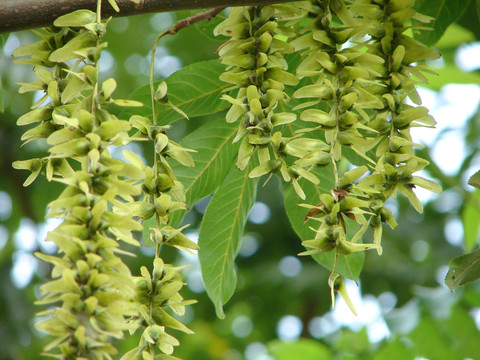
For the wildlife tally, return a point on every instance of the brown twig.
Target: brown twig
(207, 15)
(18, 15)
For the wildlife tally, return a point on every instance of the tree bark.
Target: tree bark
(18, 15)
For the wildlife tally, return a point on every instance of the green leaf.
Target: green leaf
(221, 234)
(2, 103)
(195, 89)
(471, 221)
(302, 349)
(349, 266)
(475, 180)
(445, 13)
(213, 160)
(478, 9)
(430, 342)
(451, 74)
(454, 36)
(206, 27)
(3, 39)
(461, 322)
(395, 350)
(463, 269)
(353, 342)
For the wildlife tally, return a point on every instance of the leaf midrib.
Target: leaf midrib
(207, 166)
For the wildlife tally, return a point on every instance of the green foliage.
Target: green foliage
(288, 101)
(213, 159)
(444, 13)
(471, 221)
(463, 269)
(195, 89)
(302, 349)
(221, 233)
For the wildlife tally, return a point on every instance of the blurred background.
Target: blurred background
(281, 309)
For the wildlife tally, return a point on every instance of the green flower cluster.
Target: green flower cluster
(363, 64)
(93, 296)
(92, 288)
(257, 67)
(357, 68)
(155, 293)
(158, 291)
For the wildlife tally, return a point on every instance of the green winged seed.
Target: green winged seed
(77, 18)
(267, 167)
(323, 92)
(37, 115)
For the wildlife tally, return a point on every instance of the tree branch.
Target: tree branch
(18, 15)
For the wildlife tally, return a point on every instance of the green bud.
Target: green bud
(162, 204)
(161, 93)
(347, 101)
(164, 183)
(347, 119)
(264, 42)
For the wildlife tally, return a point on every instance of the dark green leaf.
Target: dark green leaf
(3, 39)
(195, 89)
(213, 160)
(475, 180)
(2, 104)
(348, 266)
(463, 269)
(445, 13)
(478, 9)
(221, 234)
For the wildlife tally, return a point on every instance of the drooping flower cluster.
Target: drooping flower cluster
(91, 289)
(93, 296)
(363, 65)
(157, 293)
(357, 67)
